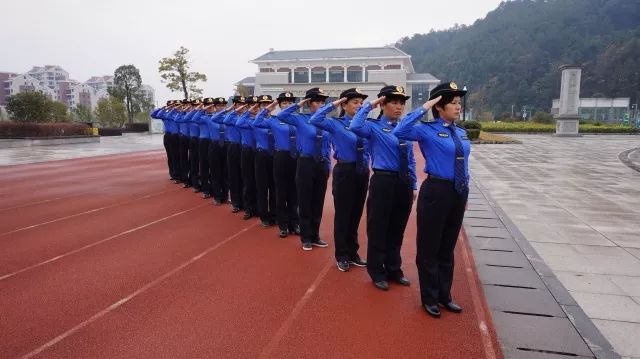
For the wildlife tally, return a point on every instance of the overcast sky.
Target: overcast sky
(88, 37)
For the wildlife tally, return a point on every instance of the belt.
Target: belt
(312, 158)
(263, 150)
(346, 162)
(247, 147)
(385, 172)
(433, 178)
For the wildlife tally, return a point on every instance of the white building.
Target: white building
(610, 110)
(335, 70)
(26, 83)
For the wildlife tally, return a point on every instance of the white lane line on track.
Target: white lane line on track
(141, 290)
(50, 260)
(47, 200)
(284, 328)
(86, 212)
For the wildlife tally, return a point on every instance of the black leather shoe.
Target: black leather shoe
(283, 233)
(402, 281)
(432, 310)
(206, 195)
(382, 285)
(358, 262)
(265, 224)
(247, 215)
(295, 230)
(452, 307)
(186, 185)
(235, 209)
(196, 190)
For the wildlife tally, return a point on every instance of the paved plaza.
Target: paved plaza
(579, 206)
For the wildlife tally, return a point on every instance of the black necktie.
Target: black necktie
(293, 150)
(460, 179)
(403, 157)
(270, 140)
(360, 164)
(221, 132)
(317, 153)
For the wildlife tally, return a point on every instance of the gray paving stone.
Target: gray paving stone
(483, 222)
(539, 333)
(512, 353)
(622, 335)
(510, 276)
(488, 232)
(529, 301)
(512, 259)
(480, 214)
(493, 243)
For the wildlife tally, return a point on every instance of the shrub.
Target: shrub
(137, 127)
(475, 125)
(473, 133)
(542, 117)
(12, 129)
(110, 131)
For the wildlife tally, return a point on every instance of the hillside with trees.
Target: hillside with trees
(511, 57)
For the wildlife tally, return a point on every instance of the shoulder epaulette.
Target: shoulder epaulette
(373, 119)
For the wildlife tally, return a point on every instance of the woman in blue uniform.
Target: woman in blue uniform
(194, 144)
(265, 186)
(204, 142)
(284, 164)
(443, 195)
(391, 186)
(350, 175)
(247, 157)
(313, 166)
(218, 152)
(234, 152)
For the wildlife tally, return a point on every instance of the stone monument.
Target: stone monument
(567, 120)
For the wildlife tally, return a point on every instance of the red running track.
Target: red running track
(105, 258)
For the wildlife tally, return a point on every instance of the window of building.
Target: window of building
(266, 69)
(288, 71)
(354, 74)
(301, 75)
(370, 67)
(393, 67)
(318, 74)
(336, 74)
(419, 94)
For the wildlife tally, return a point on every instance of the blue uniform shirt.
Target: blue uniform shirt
(246, 132)
(230, 131)
(183, 127)
(171, 123)
(306, 134)
(436, 144)
(262, 136)
(344, 141)
(201, 120)
(161, 114)
(383, 144)
(194, 129)
(282, 131)
(216, 126)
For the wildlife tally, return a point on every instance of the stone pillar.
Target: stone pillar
(292, 70)
(326, 74)
(567, 120)
(309, 74)
(344, 68)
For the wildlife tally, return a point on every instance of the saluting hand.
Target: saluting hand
(339, 102)
(228, 108)
(377, 101)
(429, 104)
(272, 106)
(254, 107)
(301, 103)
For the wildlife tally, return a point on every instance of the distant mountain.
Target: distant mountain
(511, 57)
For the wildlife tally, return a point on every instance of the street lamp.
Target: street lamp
(464, 106)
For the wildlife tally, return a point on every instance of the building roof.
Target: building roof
(364, 52)
(247, 81)
(424, 77)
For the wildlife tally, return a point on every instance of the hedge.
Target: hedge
(528, 127)
(11, 129)
(110, 131)
(137, 127)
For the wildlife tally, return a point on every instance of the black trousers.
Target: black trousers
(284, 175)
(349, 194)
(194, 162)
(235, 174)
(218, 171)
(183, 158)
(166, 139)
(265, 186)
(440, 215)
(311, 184)
(203, 156)
(388, 208)
(248, 168)
(174, 157)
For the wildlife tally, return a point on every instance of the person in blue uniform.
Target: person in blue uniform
(204, 142)
(284, 164)
(443, 195)
(234, 153)
(194, 146)
(313, 167)
(168, 134)
(265, 185)
(218, 152)
(247, 157)
(350, 175)
(392, 185)
(183, 142)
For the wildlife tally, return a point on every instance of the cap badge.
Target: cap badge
(241, 98)
(265, 97)
(287, 94)
(358, 90)
(400, 89)
(453, 86)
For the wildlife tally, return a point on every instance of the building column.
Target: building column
(345, 73)
(326, 74)
(293, 80)
(364, 73)
(309, 74)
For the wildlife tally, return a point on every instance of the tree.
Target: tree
(58, 112)
(175, 73)
(29, 106)
(111, 112)
(242, 90)
(82, 114)
(127, 85)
